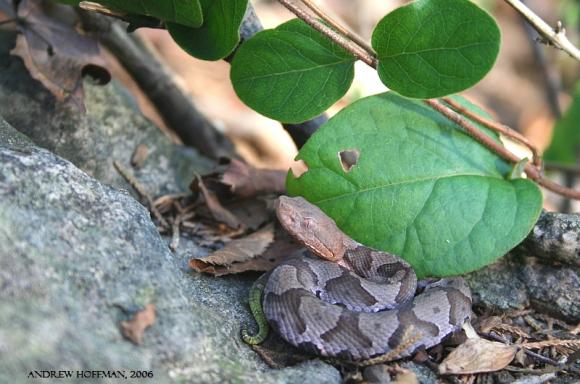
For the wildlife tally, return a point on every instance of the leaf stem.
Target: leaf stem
(554, 36)
(532, 171)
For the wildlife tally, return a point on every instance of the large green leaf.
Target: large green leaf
(291, 73)
(420, 188)
(565, 146)
(185, 12)
(219, 34)
(433, 48)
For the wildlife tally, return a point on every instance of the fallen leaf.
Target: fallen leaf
(133, 329)
(485, 325)
(281, 249)
(253, 213)
(240, 250)
(477, 355)
(245, 181)
(217, 210)
(55, 53)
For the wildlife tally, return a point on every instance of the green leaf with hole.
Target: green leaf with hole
(291, 73)
(433, 48)
(185, 12)
(219, 34)
(565, 146)
(397, 176)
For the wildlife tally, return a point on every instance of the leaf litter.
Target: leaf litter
(55, 52)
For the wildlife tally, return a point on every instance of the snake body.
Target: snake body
(345, 300)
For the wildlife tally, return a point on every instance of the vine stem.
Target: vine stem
(555, 36)
(496, 126)
(332, 34)
(336, 25)
(370, 59)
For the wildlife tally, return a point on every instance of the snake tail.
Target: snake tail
(255, 301)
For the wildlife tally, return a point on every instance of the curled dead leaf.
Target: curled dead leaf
(477, 355)
(242, 180)
(239, 250)
(133, 329)
(281, 249)
(55, 53)
(217, 210)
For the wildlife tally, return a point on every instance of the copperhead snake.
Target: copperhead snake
(348, 301)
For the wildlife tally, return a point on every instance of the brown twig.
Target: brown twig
(332, 34)
(554, 36)
(537, 356)
(339, 28)
(496, 126)
(136, 185)
(531, 170)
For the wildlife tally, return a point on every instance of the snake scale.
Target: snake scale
(348, 301)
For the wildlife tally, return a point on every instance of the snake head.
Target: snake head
(312, 227)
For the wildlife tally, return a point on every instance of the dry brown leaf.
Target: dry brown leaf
(281, 249)
(485, 325)
(217, 210)
(477, 355)
(240, 250)
(239, 179)
(252, 213)
(133, 329)
(55, 53)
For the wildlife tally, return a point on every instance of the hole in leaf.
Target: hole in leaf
(299, 168)
(348, 158)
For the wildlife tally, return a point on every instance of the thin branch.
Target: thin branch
(336, 25)
(496, 126)
(333, 35)
(555, 36)
(531, 171)
(136, 185)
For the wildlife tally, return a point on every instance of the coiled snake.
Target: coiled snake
(351, 302)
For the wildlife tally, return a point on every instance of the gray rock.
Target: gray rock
(377, 374)
(77, 257)
(555, 238)
(497, 285)
(515, 282)
(553, 290)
